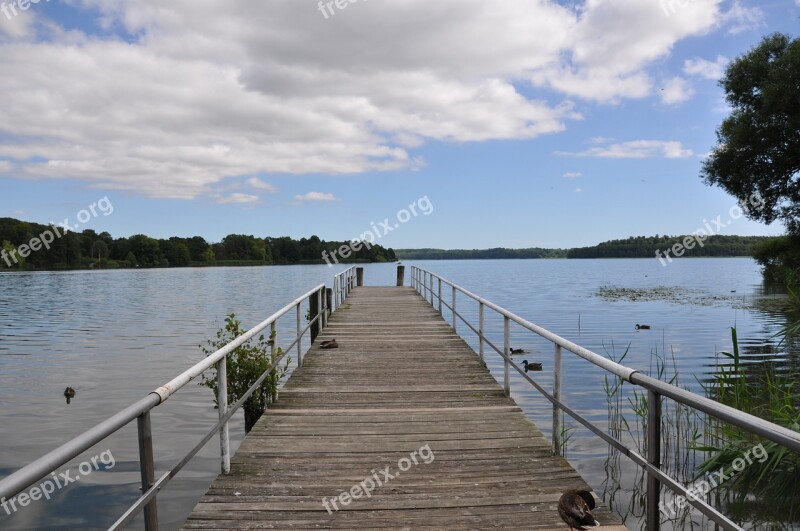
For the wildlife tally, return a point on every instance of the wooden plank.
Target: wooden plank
(400, 382)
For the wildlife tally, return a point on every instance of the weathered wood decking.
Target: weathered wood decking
(401, 379)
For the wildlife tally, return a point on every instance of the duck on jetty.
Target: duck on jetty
(329, 344)
(575, 508)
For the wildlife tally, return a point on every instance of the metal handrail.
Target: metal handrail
(343, 284)
(423, 280)
(23, 478)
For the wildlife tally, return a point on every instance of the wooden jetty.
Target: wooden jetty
(401, 387)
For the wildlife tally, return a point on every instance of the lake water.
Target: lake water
(116, 335)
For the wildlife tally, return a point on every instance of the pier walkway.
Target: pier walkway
(402, 426)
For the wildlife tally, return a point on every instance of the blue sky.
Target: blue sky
(525, 124)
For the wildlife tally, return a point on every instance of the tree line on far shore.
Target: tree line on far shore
(647, 246)
(88, 249)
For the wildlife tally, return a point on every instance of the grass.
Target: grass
(764, 495)
(768, 488)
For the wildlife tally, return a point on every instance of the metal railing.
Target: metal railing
(23, 478)
(343, 284)
(429, 285)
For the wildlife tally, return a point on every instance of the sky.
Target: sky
(510, 123)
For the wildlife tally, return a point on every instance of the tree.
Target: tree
(11, 261)
(146, 249)
(758, 150)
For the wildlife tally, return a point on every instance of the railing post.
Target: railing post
(147, 469)
(273, 354)
(455, 317)
(480, 329)
(334, 304)
(222, 406)
(314, 305)
(557, 443)
(440, 296)
(328, 304)
(506, 350)
(654, 458)
(299, 337)
(323, 294)
(431, 286)
(360, 277)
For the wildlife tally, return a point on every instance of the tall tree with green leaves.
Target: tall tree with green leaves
(758, 150)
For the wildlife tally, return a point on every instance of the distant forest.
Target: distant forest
(87, 249)
(646, 247)
(486, 254)
(634, 247)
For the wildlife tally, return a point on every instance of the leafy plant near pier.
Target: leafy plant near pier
(770, 396)
(245, 366)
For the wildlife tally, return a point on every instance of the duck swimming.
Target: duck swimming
(531, 366)
(516, 350)
(69, 394)
(575, 508)
(642, 327)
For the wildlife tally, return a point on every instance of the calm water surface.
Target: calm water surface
(114, 336)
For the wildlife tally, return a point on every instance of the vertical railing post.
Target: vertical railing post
(455, 317)
(314, 312)
(557, 442)
(323, 294)
(480, 329)
(431, 283)
(506, 351)
(222, 406)
(334, 305)
(360, 277)
(273, 355)
(654, 458)
(299, 337)
(320, 310)
(440, 296)
(401, 275)
(147, 469)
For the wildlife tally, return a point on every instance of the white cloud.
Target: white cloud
(572, 175)
(613, 41)
(637, 149)
(707, 69)
(740, 18)
(238, 198)
(315, 196)
(579, 190)
(258, 184)
(676, 90)
(196, 95)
